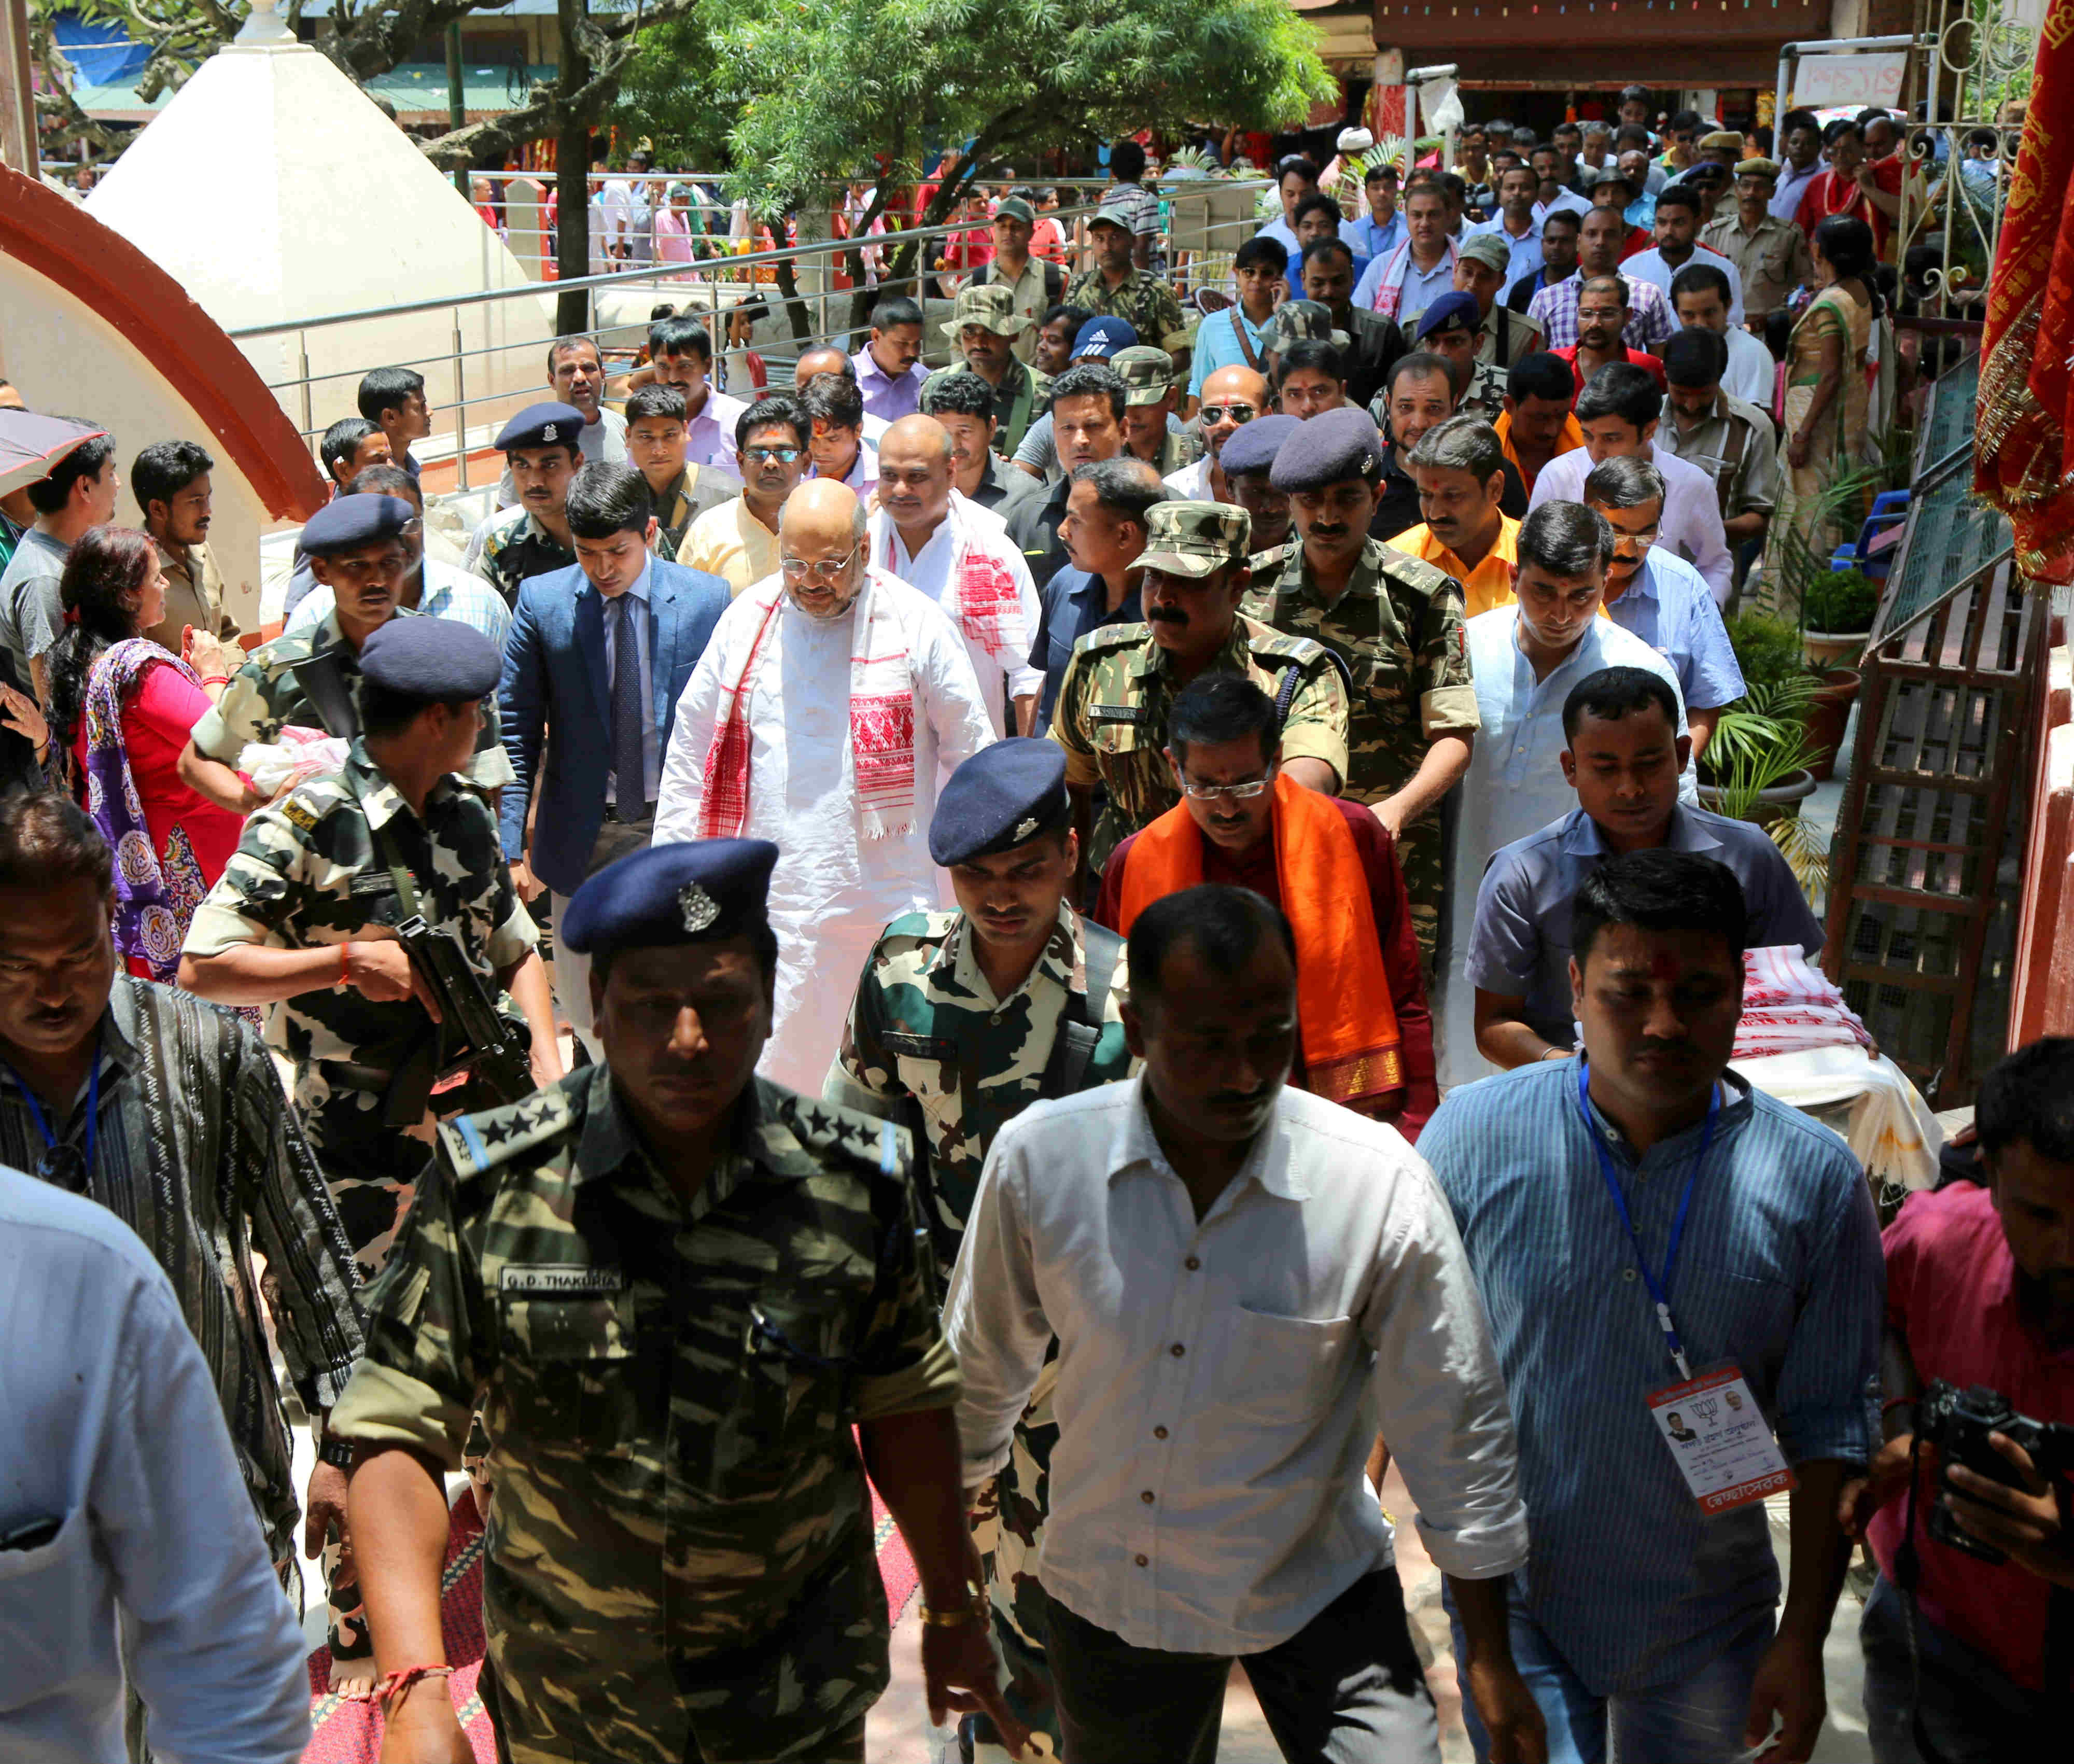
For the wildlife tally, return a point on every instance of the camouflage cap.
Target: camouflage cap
(991, 307)
(1147, 373)
(1294, 320)
(1489, 250)
(1194, 539)
(1113, 214)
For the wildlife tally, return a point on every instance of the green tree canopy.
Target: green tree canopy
(811, 91)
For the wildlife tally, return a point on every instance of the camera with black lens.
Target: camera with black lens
(1958, 1423)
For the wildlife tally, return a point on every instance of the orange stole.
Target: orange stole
(1351, 1044)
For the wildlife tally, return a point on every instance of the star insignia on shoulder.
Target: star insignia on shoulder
(701, 911)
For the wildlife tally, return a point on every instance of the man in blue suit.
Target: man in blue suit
(568, 666)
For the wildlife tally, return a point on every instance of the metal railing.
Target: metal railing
(720, 290)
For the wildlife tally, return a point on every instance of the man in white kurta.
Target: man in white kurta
(961, 556)
(1526, 660)
(849, 859)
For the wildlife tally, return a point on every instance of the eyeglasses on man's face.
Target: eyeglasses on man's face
(1244, 792)
(829, 569)
(765, 455)
(1228, 413)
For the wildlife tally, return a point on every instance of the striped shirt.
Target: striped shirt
(1780, 1270)
(1649, 325)
(197, 1150)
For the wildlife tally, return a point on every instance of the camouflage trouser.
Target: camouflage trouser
(1420, 854)
(1008, 1525)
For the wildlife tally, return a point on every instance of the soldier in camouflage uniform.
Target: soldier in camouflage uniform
(1148, 376)
(355, 549)
(300, 917)
(542, 450)
(961, 1021)
(1450, 328)
(1111, 716)
(1396, 622)
(1114, 288)
(983, 325)
(675, 1288)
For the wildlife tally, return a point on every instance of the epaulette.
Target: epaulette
(1111, 636)
(926, 925)
(477, 1144)
(827, 1129)
(312, 801)
(1414, 572)
(1275, 559)
(1300, 649)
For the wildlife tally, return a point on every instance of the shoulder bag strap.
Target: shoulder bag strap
(1245, 342)
(1079, 1029)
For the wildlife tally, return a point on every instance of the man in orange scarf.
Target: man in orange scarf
(1365, 1035)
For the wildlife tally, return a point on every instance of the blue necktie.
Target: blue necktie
(628, 768)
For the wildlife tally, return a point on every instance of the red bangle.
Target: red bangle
(345, 963)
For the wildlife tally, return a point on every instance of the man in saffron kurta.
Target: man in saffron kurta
(1364, 1038)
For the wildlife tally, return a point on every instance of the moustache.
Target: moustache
(1165, 615)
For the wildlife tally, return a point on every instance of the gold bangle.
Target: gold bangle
(976, 1609)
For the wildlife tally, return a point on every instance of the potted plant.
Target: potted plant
(1768, 651)
(1757, 768)
(1836, 613)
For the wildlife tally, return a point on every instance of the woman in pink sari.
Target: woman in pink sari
(121, 708)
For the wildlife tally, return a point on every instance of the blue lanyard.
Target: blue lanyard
(1659, 1290)
(48, 1166)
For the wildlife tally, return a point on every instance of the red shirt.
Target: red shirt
(1951, 1291)
(1829, 194)
(1637, 357)
(1255, 870)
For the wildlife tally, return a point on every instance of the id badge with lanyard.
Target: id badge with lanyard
(1716, 1434)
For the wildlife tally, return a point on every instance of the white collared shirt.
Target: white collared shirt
(998, 645)
(1221, 1380)
(1649, 266)
(1690, 526)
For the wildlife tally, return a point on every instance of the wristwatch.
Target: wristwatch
(337, 1453)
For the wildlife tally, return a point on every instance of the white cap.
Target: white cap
(1355, 141)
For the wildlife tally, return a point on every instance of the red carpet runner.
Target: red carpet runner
(342, 1733)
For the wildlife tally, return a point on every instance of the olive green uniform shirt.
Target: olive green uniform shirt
(1111, 715)
(679, 1554)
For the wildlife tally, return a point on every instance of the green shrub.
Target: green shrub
(1767, 650)
(1840, 602)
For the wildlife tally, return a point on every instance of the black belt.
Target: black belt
(612, 812)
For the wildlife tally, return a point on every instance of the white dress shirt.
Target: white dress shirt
(1752, 374)
(1649, 266)
(999, 649)
(1691, 523)
(833, 890)
(1514, 785)
(115, 1437)
(1221, 1380)
(1191, 483)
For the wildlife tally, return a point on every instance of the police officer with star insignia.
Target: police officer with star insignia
(542, 450)
(357, 548)
(960, 1022)
(675, 1289)
(304, 919)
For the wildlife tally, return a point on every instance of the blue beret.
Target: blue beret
(1334, 445)
(1002, 796)
(541, 425)
(703, 891)
(1102, 338)
(351, 521)
(440, 660)
(1453, 308)
(1253, 448)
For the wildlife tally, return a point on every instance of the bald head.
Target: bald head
(820, 360)
(915, 467)
(820, 547)
(1236, 394)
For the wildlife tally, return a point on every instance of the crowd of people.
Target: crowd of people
(1111, 940)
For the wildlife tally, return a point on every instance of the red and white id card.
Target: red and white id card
(1722, 1442)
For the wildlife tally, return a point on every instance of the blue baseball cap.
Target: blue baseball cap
(1102, 338)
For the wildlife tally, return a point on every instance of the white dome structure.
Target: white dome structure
(271, 189)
